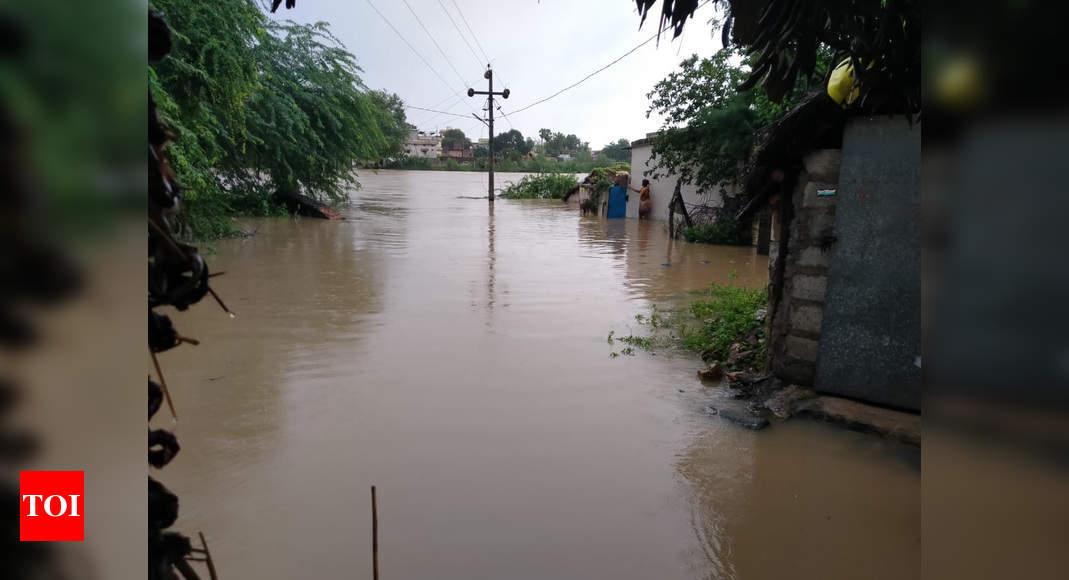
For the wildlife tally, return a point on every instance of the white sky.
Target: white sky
(536, 47)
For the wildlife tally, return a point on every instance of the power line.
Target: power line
(462, 37)
(436, 45)
(587, 77)
(507, 120)
(468, 26)
(456, 98)
(435, 111)
(409, 44)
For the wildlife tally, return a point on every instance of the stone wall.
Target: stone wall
(794, 328)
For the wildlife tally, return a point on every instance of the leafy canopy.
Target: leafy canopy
(259, 106)
(882, 38)
(455, 139)
(618, 151)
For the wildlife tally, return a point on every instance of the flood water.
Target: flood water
(457, 359)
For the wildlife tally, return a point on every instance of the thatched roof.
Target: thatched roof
(816, 123)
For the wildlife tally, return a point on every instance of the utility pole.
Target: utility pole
(489, 76)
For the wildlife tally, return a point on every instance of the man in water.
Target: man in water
(645, 204)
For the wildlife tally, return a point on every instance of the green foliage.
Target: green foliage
(724, 315)
(709, 125)
(722, 232)
(785, 39)
(543, 186)
(455, 139)
(618, 151)
(260, 106)
(512, 145)
(391, 119)
(406, 162)
(556, 143)
(722, 322)
(535, 165)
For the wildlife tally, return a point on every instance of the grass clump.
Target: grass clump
(541, 186)
(724, 323)
(721, 317)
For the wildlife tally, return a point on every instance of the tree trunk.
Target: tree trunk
(306, 206)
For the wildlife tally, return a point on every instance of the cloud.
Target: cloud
(536, 49)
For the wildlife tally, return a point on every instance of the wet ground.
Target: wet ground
(457, 359)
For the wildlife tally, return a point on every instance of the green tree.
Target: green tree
(455, 139)
(709, 125)
(259, 106)
(618, 151)
(882, 39)
(311, 118)
(201, 90)
(391, 119)
(545, 135)
(512, 144)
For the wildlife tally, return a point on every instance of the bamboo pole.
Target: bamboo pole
(374, 535)
(208, 557)
(163, 384)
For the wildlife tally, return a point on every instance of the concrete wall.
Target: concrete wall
(871, 326)
(661, 190)
(795, 329)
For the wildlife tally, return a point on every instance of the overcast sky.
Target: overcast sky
(536, 48)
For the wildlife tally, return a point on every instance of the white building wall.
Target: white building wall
(661, 189)
(423, 145)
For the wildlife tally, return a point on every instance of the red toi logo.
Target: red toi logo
(51, 506)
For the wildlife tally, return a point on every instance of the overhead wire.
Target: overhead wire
(589, 76)
(434, 41)
(435, 111)
(413, 49)
(409, 44)
(470, 31)
(478, 60)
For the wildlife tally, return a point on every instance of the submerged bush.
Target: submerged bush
(542, 186)
(726, 232)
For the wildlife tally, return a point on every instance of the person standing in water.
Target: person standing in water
(645, 203)
(618, 196)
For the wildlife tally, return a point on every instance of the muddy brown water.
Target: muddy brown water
(457, 359)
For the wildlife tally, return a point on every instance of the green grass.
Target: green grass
(712, 321)
(720, 317)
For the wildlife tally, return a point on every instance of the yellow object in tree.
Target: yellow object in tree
(842, 86)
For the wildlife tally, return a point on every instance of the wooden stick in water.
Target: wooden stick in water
(374, 535)
(220, 301)
(163, 384)
(208, 557)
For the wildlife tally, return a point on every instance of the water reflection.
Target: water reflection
(490, 259)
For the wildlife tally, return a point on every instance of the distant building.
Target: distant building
(462, 154)
(565, 157)
(424, 145)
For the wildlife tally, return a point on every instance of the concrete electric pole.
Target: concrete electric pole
(489, 76)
